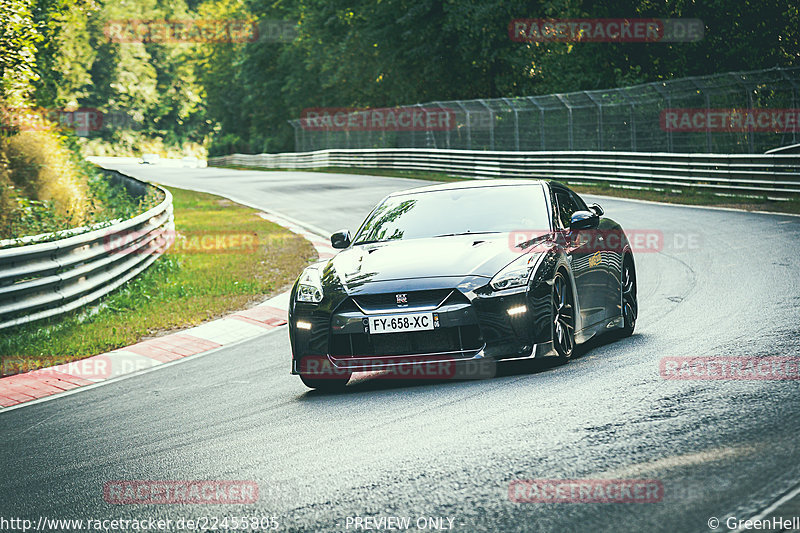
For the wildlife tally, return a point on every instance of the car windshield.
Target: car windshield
(458, 211)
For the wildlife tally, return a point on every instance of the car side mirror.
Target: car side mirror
(596, 209)
(341, 239)
(583, 220)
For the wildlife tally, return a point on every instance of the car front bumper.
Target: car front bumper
(473, 323)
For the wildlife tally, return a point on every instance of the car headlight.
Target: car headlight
(310, 287)
(517, 273)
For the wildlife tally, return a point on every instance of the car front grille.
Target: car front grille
(414, 299)
(458, 340)
(458, 337)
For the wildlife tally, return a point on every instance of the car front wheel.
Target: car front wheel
(630, 304)
(563, 318)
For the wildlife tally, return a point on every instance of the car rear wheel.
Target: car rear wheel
(325, 383)
(630, 304)
(563, 318)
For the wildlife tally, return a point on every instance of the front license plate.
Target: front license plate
(400, 323)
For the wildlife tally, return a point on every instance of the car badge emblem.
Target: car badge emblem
(402, 299)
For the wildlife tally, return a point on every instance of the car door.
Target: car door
(585, 258)
(608, 260)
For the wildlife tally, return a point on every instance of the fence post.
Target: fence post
(296, 134)
(703, 90)
(632, 117)
(469, 128)
(569, 117)
(541, 119)
(751, 142)
(599, 120)
(794, 100)
(447, 133)
(516, 122)
(666, 95)
(491, 124)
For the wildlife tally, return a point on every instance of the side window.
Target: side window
(579, 202)
(566, 206)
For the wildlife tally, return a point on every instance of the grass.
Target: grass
(673, 195)
(183, 288)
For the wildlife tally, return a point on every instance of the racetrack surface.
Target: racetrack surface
(451, 448)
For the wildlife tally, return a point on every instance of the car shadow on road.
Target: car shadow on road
(612, 338)
(463, 374)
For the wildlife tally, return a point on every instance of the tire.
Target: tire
(325, 384)
(630, 302)
(563, 317)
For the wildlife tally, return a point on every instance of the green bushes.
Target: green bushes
(41, 170)
(46, 187)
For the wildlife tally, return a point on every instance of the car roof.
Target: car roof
(470, 184)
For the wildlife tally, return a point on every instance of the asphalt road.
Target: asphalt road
(450, 449)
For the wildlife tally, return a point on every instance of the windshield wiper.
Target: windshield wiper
(465, 233)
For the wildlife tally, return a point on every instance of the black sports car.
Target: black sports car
(474, 270)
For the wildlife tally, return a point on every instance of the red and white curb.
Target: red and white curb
(242, 325)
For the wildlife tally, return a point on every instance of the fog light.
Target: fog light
(517, 310)
(303, 325)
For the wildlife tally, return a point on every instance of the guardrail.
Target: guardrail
(41, 280)
(775, 176)
(788, 149)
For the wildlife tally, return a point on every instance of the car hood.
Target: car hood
(456, 256)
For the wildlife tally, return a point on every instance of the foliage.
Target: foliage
(41, 170)
(239, 96)
(46, 187)
(18, 38)
(394, 52)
